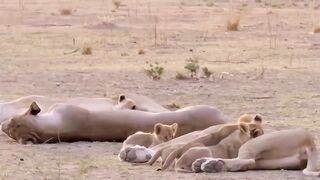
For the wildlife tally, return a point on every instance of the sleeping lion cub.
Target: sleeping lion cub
(162, 133)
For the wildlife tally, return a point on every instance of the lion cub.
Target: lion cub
(249, 127)
(162, 133)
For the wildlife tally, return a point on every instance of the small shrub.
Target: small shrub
(173, 105)
(181, 76)
(209, 3)
(316, 29)
(65, 11)
(117, 3)
(233, 23)
(192, 66)
(154, 71)
(207, 73)
(86, 51)
(141, 51)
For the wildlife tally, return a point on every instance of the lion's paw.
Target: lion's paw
(213, 166)
(135, 154)
(196, 165)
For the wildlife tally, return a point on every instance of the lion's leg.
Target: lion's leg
(289, 163)
(219, 165)
(311, 169)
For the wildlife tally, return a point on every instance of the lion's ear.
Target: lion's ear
(243, 127)
(122, 97)
(34, 109)
(157, 128)
(174, 128)
(257, 119)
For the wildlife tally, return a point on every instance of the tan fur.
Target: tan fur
(249, 127)
(125, 103)
(129, 101)
(162, 133)
(285, 149)
(226, 148)
(207, 137)
(65, 122)
(144, 103)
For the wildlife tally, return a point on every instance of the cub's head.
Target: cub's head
(125, 103)
(251, 125)
(22, 127)
(165, 132)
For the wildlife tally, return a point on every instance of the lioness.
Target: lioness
(162, 133)
(129, 101)
(226, 148)
(285, 149)
(65, 122)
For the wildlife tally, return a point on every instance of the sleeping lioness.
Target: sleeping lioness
(162, 133)
(128, 101)
(286, 149)
(226, 148)
(68, 123)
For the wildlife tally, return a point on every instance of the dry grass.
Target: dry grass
(180, 76)
(233, 23)
(86, 50)
(65, 11)
(316, 29)
(117, 3)
(141, 51)
(173, 105)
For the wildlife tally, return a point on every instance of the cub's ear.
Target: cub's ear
(34, 109)
(121, 98)
(174, 128)
(243, 127)
(257, 119)
(157, 128)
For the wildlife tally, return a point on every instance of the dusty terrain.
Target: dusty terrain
(272, 66)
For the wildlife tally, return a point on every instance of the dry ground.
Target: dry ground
(36, 55)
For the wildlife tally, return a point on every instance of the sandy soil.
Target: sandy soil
(272, 61)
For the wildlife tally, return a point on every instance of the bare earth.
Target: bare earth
(273, 65)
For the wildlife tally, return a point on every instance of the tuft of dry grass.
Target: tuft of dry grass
(117, 3)
(141, 51)
(173, 105)
(233, 23)
(180, 76)
(86, 50)
(316, 29)
(65, 11)
(207, 73)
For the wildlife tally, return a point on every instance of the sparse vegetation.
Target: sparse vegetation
(233, 23)
(154, 71)
(316, 29)
(86, 50)
(65, 11)
(209, 3)
(173, 105)
(207, 73)
(141, 51)
(180, 76)
(117, 3)
(192, 66)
